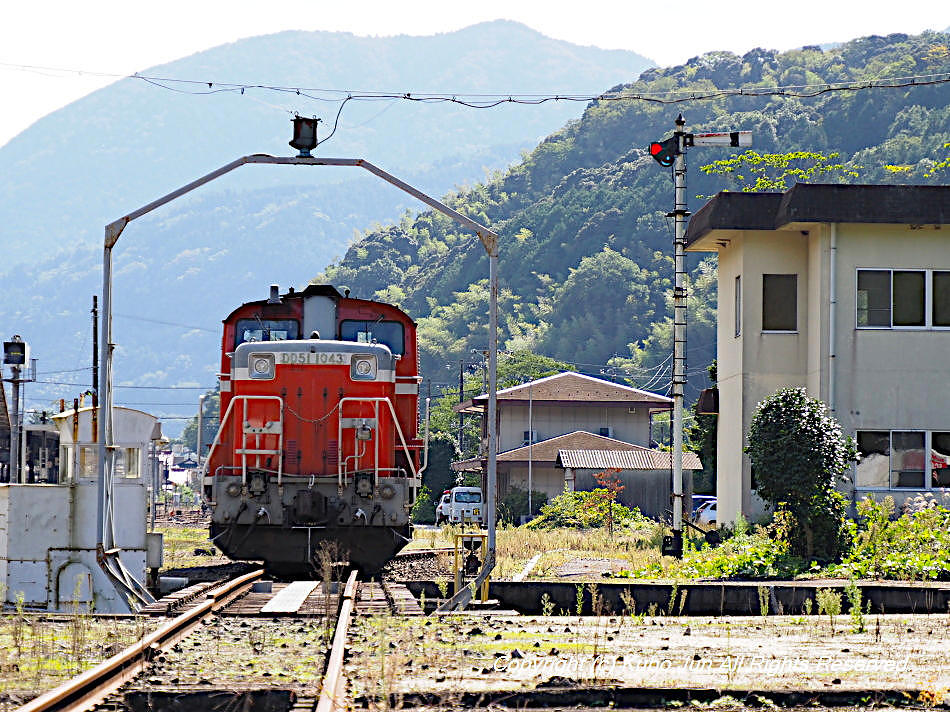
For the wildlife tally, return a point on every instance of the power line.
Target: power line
(491, 100)
(146, 388)
(166, 323)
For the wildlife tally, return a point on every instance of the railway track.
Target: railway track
(263, 615)
(96, 684)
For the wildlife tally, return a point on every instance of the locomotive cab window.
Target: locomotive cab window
(265, 330)
(390, 333)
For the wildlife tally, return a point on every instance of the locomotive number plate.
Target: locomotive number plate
(307, 358)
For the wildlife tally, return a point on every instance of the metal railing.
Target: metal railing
(246, 430)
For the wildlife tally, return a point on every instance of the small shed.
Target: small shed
(48, 532)
(646, 475)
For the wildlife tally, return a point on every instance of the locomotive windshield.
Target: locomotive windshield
(390, 333)
(265, 330)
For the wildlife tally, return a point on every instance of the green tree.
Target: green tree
(209, 424)
(771, 172)
(798, 453)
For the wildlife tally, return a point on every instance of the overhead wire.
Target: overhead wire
(489, 100)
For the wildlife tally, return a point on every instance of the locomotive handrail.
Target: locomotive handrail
(280, 436)
(402, 440)
(224, 420)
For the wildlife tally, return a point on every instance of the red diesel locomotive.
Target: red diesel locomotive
(318, 439)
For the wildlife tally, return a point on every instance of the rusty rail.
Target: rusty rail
(333, 690)
(97, 683)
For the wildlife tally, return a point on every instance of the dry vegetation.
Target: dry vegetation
(392, 656)
(180, 544)
(516, 546)
(38, 651)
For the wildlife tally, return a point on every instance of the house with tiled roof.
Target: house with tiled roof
(572, 412)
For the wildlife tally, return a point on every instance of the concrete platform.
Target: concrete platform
(735, 598)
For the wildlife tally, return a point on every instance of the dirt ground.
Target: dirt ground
(472, 653)
(244, 653)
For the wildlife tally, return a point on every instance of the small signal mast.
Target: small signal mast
(671, 153)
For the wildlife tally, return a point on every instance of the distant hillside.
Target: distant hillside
(194, 260)
(585, 265)
(80, 167)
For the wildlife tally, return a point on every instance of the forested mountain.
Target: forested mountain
(180, 270)
(122, 146)
(585, 266)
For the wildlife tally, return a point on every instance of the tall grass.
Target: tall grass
(515, 546)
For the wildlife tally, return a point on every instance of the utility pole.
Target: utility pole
(679, 330)
(16, 354)
(201, 412)
(461, 400)
(672, 153)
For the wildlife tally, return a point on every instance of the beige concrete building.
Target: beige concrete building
(845, 290)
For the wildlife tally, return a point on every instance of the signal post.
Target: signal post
(671, 153)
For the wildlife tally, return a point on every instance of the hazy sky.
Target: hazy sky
(128, 36)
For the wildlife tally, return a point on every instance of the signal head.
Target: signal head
(665, 152)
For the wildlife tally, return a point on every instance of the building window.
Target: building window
(779, 302)
(737, 312)
(128, 462)
(897, 459)
(941, 298)
(895, 298)
(940, 460)
(89, 461)
(907, 459)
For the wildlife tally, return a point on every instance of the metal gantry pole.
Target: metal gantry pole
(492, 412)
(113, 231)
(679, 329)
(105, 402)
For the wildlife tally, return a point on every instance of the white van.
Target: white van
(465, 505)
(442, 508)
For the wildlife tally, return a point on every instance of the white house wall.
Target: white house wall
(544, 478)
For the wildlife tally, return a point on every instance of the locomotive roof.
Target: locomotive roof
(312, 290)
(315, 290)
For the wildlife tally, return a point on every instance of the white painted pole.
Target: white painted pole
(679, 331)
(530, 445)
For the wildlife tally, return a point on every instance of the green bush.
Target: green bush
(913, 546)
(763, 552)
(584, 510)
(515, 503)
(423, 511)
(798, 452)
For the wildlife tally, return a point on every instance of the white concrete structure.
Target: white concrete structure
(48, 556)
(845, 290)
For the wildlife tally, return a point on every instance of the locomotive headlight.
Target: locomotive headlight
(363, 367)
(261, 366)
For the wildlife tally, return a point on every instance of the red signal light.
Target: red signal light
(665, 152)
